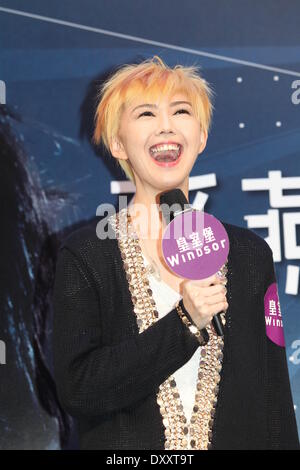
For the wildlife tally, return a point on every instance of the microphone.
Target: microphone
(175, 197)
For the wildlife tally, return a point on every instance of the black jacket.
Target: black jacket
(107, 374)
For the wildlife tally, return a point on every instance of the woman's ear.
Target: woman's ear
(117, 149)
(203, 140)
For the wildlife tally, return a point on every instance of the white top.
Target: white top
(186, 377)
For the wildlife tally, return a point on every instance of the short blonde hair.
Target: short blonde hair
(149, 79)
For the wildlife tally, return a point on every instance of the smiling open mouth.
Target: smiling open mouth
(165, 153)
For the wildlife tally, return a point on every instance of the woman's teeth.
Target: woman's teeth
(165, 152)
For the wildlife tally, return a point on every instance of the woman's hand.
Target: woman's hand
(204, 298)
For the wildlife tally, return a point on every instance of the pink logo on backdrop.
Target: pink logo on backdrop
(274, 326)
(195, 245)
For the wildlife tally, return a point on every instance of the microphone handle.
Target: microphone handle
(218, 325)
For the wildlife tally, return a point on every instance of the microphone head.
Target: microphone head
(172, 201)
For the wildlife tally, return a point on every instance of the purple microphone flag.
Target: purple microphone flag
(195, 245)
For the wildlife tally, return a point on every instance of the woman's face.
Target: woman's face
(145, 127)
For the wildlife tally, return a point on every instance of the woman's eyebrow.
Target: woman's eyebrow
(148, 105)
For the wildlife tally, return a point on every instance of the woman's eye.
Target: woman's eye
(182, 110)
(146, 113)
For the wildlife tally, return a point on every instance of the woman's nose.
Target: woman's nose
(164, 123)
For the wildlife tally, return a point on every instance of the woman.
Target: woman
(136, 359)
